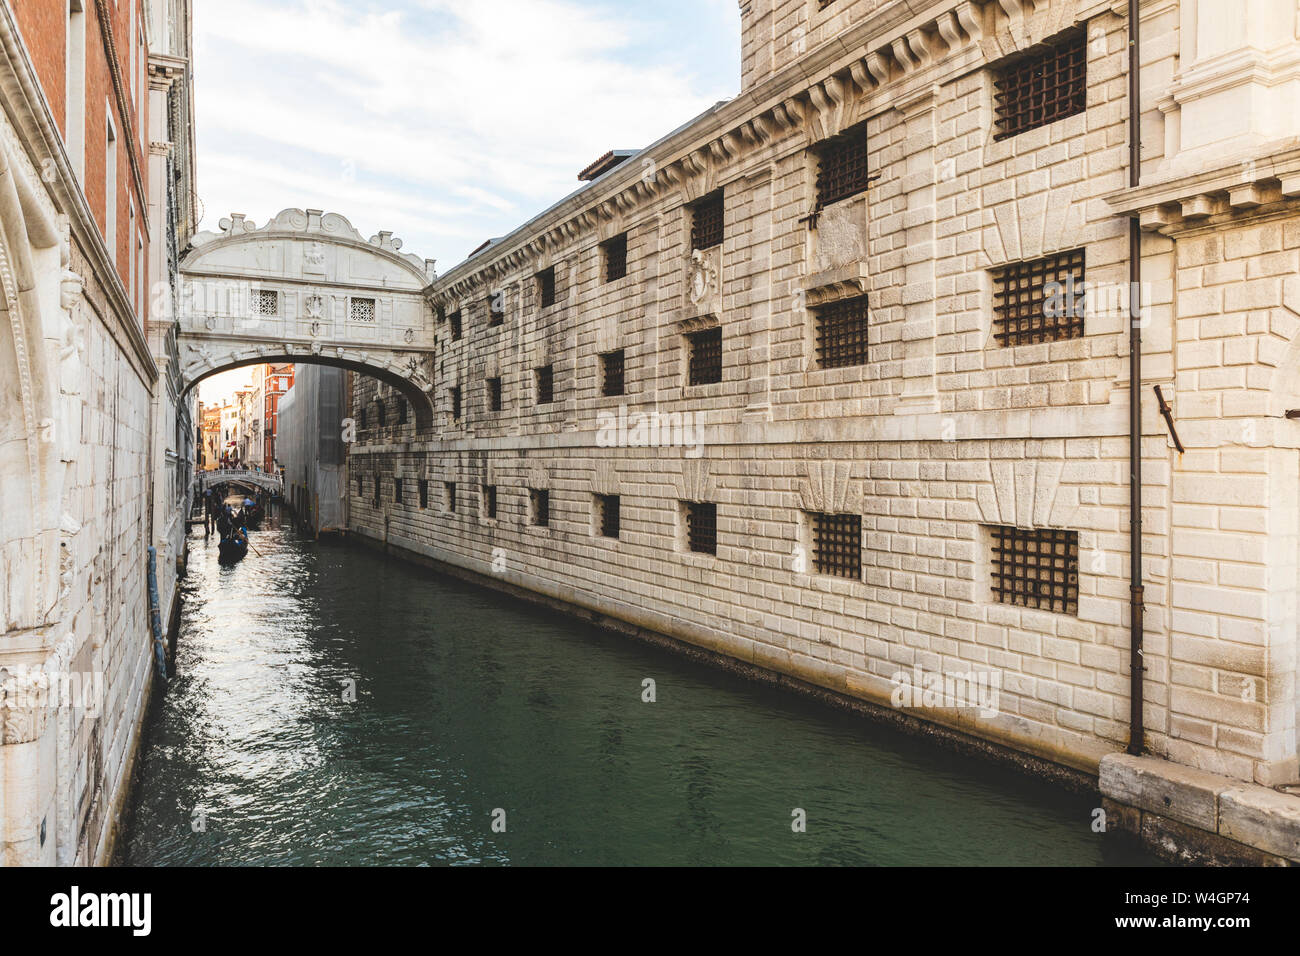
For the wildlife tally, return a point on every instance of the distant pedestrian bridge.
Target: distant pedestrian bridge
(239, 476)
(307, 288)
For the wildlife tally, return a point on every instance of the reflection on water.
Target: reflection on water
(468, 703)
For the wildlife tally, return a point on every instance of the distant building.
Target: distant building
(312, 450)
(278, 380)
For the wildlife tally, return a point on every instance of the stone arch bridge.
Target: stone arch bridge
(307, 288)
(239, 476)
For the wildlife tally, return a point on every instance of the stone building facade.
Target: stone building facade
(778, 385)
(95, 452)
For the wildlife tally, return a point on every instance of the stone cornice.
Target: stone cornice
(1248, 186)
(32, 120)
(833, 87)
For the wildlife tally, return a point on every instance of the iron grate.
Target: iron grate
(837, 544)
(1042, 88)
(705, 366)
(612, 379)
(842, 333)
(1036, 568)
(706, 222)
(842, 166)
(609, 514)
(702, 527)
(1034, 301)
(363, 310)
(615, 251)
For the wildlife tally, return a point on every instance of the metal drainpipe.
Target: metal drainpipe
(1136, 669)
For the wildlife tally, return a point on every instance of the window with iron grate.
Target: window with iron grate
(496, 309)
(454, 321)
(424, 492)
(546, 287)
(607, 507)
(1042, 87)
(545, 384)
(842, 166)
(1039, 300)
(449, 495)
(705, 363)
(614, 253)
(611, 364)
(490, 501)
(842, 333)
(1036, 568)
(706, 222)
(363, 310)
(837, 544)
(455, 403)
(266, 302)
(494, 394)
(702, 527)
(539, 501)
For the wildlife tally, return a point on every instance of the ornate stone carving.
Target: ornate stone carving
(840, 236)
(702, 273)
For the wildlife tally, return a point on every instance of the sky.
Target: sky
(447, 123)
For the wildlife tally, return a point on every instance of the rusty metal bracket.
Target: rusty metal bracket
(1167, 412)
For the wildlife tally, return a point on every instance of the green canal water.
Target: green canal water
(468, 704)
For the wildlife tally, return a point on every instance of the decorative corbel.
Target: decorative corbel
(878, 67)
(967, 14)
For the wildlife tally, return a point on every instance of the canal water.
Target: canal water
(473, 711)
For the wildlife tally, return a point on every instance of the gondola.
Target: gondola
(232, 550)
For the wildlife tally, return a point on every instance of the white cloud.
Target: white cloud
(445, 122)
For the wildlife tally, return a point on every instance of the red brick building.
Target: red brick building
(279, 379)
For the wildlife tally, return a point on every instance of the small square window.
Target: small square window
(449, 495)
(545, 384)
(607, 507)
(1039, 300)
(611, 364)
(1036, 89)
(842, 166)
(842, 333)
(705, 364)
(494, 394)
(363, 310)
(546, 287)
(706, 222)
(1036, 568)
(490, 501)
(837, 544)
(424, 492)
(539, 501)
(266, 302)
(702, 527)
(614, 252)
(496, 309)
